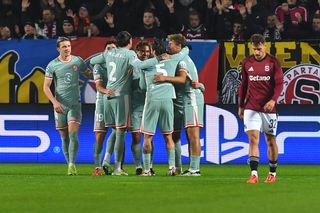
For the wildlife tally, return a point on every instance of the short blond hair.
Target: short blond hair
(179, 39)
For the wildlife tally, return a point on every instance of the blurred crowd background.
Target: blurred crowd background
(233, 20)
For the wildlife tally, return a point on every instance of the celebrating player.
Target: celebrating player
(64, 71)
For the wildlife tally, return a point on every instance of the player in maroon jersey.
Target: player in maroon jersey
(261, 85)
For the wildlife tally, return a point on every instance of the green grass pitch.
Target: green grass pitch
(46, 188)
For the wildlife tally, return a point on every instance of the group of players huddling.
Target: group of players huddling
(136, 91)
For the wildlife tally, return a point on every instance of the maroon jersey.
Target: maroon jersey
(261, 82)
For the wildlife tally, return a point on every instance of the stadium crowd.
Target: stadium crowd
(196, 19)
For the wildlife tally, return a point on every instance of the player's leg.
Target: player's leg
(74, 120)
(193, 133)
(61, 120)
(193, 117)
(166, 126)
(171, 154)
(146, 156)
(176, 135)
(252, 123)
(100, 133)
(269, 123)
(122, 112)
(273, 157)
(151, 160)
(109, 150)
(177, 142)
(62, 127)
(136, 152)
(149, 122)
(136, 136)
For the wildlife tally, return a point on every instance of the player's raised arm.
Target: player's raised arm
(138, 64)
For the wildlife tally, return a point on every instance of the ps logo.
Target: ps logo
(222, 128)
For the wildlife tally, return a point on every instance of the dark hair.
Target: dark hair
(110, 42)
(142, 44)
(123, 38)
(316, 16)
(158, 46)
(61, 39)
(194, 13)
(178, 39)
(257, 39)
(148, 10)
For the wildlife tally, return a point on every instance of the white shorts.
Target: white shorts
(261, 121)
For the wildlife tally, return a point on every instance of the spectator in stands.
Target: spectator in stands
(273, 29)
(149, 28)
(59, 7)
(220, 18)
(254, 16)
(5, 33)
(30, 31)
(47, 26)
(94, 29)
(313, 9)
(237, 34)
(293, 11)
(68, 29)
(315, 29)
(108, 26)
(126, 14)
(294, 19)
(183, 7)
(81, 21)
(9, 13)
(195, 29)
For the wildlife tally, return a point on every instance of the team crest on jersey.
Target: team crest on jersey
(267, 68)
(75, 67)
(301, 85)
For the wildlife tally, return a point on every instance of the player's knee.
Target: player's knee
(147, 148)
(254, 140)
(73, 136)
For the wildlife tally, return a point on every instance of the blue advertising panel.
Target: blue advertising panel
(27, 134)
(298, 135)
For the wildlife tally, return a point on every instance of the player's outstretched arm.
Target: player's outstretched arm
(99, 59)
